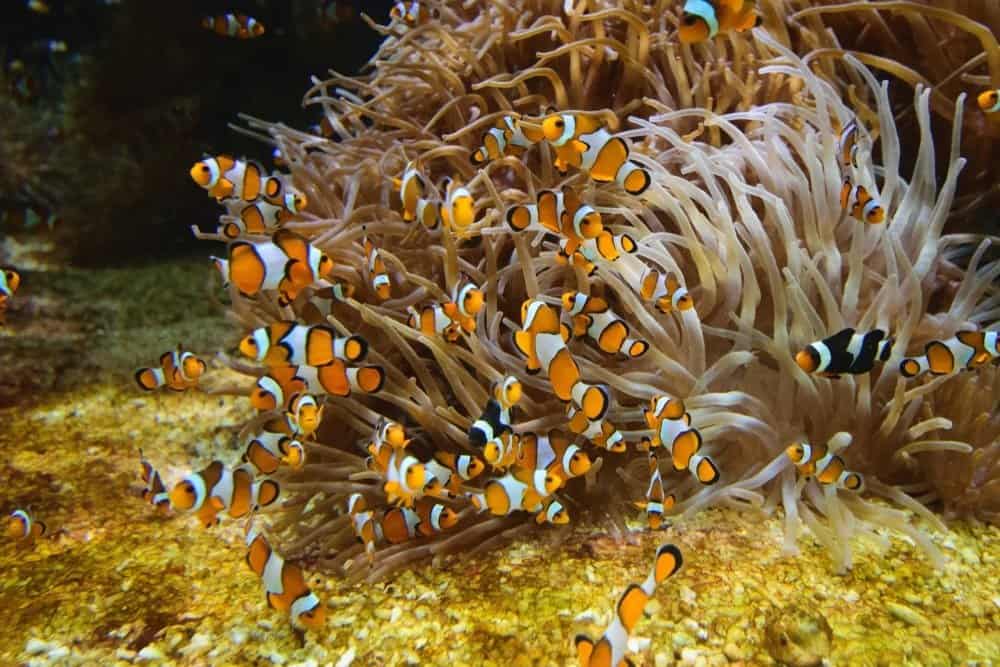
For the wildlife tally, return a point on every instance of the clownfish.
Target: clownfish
(505, 495)
(155, 493)
(405, 478)
(704, 19)
(860, 204)
(672, 430)
(413, 193)
(581, 141)
(610, 649)
(411, 12)
(401, 524)
(594, 318)
(224, 176)
(847, 145)
(599, 431)
(261, 217)
(10, 280)
(22, 526)
(387, 438)
(828, 468)
(304, 415)
(287, 263)
(508, 137)
(234, 24)
(269, 448)
(665, 291)
(605, 246)
(657, 501)
(287, 343)
(463, 467)
(552, 512)
(377, 273)
(845, 352)
(560, 212)
(966, 350)
(217, 488)
(178, 371)
(458, 210)
(284, 583)
(364, 523)
(549, 461)
(466, 302)
(989, 101)
(542, 339)
(276, 389)
(496, 418)
(432, 320)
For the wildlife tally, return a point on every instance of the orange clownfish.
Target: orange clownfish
(405, 478)
(275, 390)
(432, 320)
(704, 19)
(989, 101)
(411, 13)
(599, 431)
(496, 417)
(155, 493)
(504, 495)
(22, 526)
(401, 524)
(848, 146)
(594, 318)
(657, 501)
(665, 291)
(217, 488)
(287, 263)
(284, 583)
(458, 210)
(261, 217)
(413, 193)
(610, 649)
(270, 448)
(509, 136)
(542, 339)
(234, 24)
(828, 468)
(605, 246)
(466, 302)
(560, 212)
(581, 141)
(304, 415)
(179, 370)
(224, 176)
(860, 204)
(10, 280)
(845, 352)
(966, 350)
(287, 343)
(377, 273)
(449, 470)
(546, 462)
(672, 429)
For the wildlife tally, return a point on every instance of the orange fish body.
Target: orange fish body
(284, 583)
(287, 343)
(377, 273)
(178, 371)
(705, 19)
(217, 488)
(224, 176)
(664, 290)
(239, 26)
(582, 142)
(21, 526)
(989, 101)
(860, 204)
(509, 136)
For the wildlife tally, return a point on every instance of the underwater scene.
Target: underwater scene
(500, 333)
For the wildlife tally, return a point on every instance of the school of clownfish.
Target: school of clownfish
(304, 363)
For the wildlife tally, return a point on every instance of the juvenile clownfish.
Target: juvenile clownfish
(387, 438)
(594, 318)
(552, 512)
(805, 455)
(432, 320)
(581, 141)
(505, 495)
(21, 526)
(458, 210)
(463, 467)
(848, 146)
(276, 389)
(466, 302)
(364, 523)
(411, 12)
(178, 371)
(377, 273)
(704, 19)
(989, 101)
(217, 488)
(405, 478)
(599, 431)
(664, 290)
(287, 263)
(401, 524)
(672, 430)
(546, 462)
(224, 176)
(966, 350)
(413, 193)
(827, 468)
(542, 339)
(288, 343)
(610, 649)
(304, 415)
(496, 418)
(860, 204)
(605, 246)
(560, 212)
(10, 280)
(508, 137)
(272, 447)
(234, 24)
(284, 583)
(845, 352)
(261, 217)
(155, 493)
(657, 501)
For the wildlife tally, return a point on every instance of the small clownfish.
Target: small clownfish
(704, 19)
(664, 407)
(542, 339)
(458, 210)
(466, 302)
(450, 470)
(217, 488)
(412, 190)
(828, 468)
(505, 495)
(276, 389)
(805, 456)
(155, 493)
(599, 431)
(284, 583)
(594, 318)
(672, 430)
(178, 371)
(224, 177)
(546, 462)
(401, 524)
(21, 526)
(363, 521)
(508, 137)
(304, 415)
(665, 291)
(496, 418)
(552, 512)
(377, 273)
(405, 478)
(337, 289)
(610, 649)
(500, 451)
(966, 350)
(287, 263)
(657, 501)
(560, 212)
(412, 13)
(10, 280)
(389, 434)
(848, 146)
(581, 141)
(261, 217)
(234, 24)
(989, 101)
(845, 352)
(860, 204)
(270, 448)
(605, 246)
(432, 320)
(287, 343)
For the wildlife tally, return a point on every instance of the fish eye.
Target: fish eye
(189, 488)
(205, 169)
(559, 123)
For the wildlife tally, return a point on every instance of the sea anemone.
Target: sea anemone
(742, 207)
